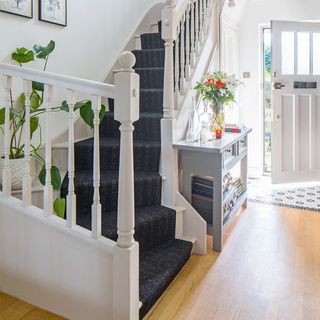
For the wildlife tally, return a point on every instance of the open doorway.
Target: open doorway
(267, 104)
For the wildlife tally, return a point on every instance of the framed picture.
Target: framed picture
(22, 8)
(53, 11)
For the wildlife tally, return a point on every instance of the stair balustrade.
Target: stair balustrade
(184, 31)
(125, 93)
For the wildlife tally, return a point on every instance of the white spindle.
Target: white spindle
(201, 21)
(197, 28)
(6, 174)
(126, 112)
(48, 189)
(187, 68)
(182, 55)
(176, 69)
(71, 198)
(192, 54)
(26, 190)
(205, 17)
(96, 206)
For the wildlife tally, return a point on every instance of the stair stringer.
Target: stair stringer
(194, 226)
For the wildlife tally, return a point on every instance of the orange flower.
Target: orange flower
(219, 84)
(209, 82)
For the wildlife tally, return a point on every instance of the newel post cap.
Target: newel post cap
(127, 60)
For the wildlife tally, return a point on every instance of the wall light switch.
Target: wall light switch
(246, 75)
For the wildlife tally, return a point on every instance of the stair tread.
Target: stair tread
(158, 267)
(153, 224)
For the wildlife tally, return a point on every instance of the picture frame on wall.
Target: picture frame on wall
(23, 8)
(53, 11)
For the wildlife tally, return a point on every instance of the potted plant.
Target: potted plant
(217, 90)
(17, 121)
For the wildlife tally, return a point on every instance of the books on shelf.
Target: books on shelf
(234, 128)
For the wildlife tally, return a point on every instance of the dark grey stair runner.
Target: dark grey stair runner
(161, 255)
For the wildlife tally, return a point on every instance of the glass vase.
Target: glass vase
(193, 124)
(205, 122)
(218, 119)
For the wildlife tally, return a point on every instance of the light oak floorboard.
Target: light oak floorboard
(14, 309)
(269, 270)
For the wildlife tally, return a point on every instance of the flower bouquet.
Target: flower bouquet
(216, 90)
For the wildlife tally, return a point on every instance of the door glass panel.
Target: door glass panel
(316, 53)
(303, 53)
(287, 53)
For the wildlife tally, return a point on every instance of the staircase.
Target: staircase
(162, 256)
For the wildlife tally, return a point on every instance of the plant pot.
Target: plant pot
(17, 172)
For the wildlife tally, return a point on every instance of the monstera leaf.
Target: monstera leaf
(43, 52)
(22, 55)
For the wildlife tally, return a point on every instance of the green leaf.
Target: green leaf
(20, 103)
(35, 101)
(55, 177)
(43, 52)
(22, 55)
(37, 86)
(64, 106)
(2, 116)
(87, 115)
(34, 125)
(59, 207)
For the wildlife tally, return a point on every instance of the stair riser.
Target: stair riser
(149, 58)
(146, 128)
(147, 193)
(152, 41)
(151, 78)
(146, 157)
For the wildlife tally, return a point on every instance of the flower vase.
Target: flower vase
(218, 119)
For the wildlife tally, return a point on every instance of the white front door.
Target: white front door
(296, 101)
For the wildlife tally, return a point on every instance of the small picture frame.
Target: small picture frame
(53, 11)
(23, 8)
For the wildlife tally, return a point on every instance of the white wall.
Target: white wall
(256, 13)
(48, 265)
(97, 32)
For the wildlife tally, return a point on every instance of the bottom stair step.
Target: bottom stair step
(158, 267)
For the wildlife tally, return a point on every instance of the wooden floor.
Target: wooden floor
(14, 309)
(269, 269)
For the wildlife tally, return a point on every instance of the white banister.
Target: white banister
(71, 197)
(187, 68)
(59, 80)
(96, 206)
(197, 28)
(6, 174)
(126, 253)
(26, 187)
(201, 21)
(177, 66)
(126, 112)
(48, 189)
(193, 50)
(182, 55)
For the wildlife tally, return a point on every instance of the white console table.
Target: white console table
(215, 159)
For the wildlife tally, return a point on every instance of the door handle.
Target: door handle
(278, 85)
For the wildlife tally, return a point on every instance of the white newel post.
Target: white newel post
(126, 252)
(48, 189)
(169, 161)
(96, 206)
(71, 198)
(26, 187)
(6, 173)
